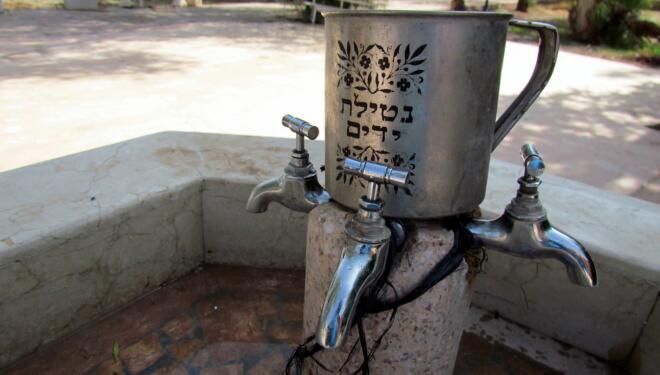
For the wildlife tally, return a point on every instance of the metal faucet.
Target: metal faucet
(363, 258)
(524, 230)
(298, 188)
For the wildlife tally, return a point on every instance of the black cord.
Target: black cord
(372, 305)
(349, 356)
(295, 361)
(390, 323)
(447, 265)
(365, 352)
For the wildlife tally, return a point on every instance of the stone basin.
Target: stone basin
(238, 320)
(102, 246)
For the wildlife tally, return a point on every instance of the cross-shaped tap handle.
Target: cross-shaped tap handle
(377, 174)
(302, 129)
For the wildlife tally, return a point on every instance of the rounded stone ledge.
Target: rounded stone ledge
(53, 202)
(83, 187)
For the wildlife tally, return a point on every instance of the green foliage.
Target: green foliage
(32, 4)
(612, 21)
(650, 52)
(115, 351)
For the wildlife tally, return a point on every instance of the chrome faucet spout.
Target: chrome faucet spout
(535, 239)
(298, 188)
(264, 193)
(363, 258)
(579, 265)
(524, 230)
(360, 266)
(298, 193)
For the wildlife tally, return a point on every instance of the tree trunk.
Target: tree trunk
(522, 5)
(581, 20)
(458, 5)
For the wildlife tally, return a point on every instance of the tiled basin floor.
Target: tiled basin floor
(220, 320)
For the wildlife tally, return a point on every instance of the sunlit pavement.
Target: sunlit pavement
(72, 81)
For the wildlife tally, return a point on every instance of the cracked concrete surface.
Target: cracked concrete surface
(94, 269)
(132, 220)
(538, 294)
(167, 202)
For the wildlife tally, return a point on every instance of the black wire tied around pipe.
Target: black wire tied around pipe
(371, 304)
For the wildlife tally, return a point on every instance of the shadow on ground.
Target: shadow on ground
(241, 52)
(595, 138)
(56, 44)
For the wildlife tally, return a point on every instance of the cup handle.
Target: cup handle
(545, 63)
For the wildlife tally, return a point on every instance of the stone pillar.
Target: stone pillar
(426, 333)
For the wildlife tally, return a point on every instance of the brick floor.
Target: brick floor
(222, 320)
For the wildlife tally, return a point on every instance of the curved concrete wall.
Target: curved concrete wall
(83, 235)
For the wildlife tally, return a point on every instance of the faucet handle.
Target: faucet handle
(377, 174)
(527, 203)
(300, 126)
(302, 129)
(534, 165)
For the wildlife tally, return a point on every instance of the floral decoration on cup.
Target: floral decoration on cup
(374, 68)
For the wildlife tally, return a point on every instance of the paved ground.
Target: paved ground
(224, 320)
(72, 81)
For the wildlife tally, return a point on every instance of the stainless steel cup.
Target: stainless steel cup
(418, 90)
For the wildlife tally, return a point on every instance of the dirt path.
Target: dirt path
(72, 81)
